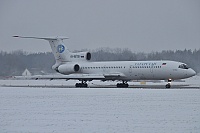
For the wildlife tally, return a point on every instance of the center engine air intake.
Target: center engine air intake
(88, 56)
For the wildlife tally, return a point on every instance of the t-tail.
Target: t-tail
(61, 53)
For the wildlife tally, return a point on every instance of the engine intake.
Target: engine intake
(68, 68)
(76, 68)
(88, 56)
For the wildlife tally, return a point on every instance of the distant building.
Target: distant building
(36, 71)
(26, 73)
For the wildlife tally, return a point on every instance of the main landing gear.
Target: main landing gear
(83, 84)
(124, 84)
(168, 85)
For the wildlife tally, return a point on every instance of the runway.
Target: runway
(188, 84)
(110, 86)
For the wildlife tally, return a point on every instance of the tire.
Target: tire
(80, 85)
(168, 86)
(121, 85)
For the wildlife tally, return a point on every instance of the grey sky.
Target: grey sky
(140, 25)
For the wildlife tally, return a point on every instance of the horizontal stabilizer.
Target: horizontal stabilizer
(45, 38)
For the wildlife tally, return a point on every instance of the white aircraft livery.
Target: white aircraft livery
(78, 66)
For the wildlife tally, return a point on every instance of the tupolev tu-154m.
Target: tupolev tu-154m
(78, 66)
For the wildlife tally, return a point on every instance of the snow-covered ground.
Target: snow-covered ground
(100, 110)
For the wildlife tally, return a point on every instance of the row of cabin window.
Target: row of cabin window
(119, 67)
(100, 67)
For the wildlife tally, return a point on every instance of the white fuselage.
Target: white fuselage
(137, 70)
(70, 63)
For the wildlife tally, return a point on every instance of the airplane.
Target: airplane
(79, 66)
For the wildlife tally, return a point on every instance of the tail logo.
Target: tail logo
(60, 48)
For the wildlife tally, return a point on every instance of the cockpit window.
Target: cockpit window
(183, 66)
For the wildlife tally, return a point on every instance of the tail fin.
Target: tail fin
(60, 51)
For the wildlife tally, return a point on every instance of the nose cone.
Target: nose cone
(191, 72)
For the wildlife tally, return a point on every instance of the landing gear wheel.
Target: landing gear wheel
(168, 85)
(122, 85)
(81, 85)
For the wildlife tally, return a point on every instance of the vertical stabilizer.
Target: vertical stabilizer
(60, 51)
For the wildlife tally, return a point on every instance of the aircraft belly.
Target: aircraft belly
(140, 74)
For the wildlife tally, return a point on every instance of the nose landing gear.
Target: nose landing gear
(168, 85)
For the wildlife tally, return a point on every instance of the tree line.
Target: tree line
(14, 63)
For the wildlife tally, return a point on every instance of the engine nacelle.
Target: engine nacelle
(69, 68)
(80, 56)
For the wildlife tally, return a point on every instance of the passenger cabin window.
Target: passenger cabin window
(183, 66)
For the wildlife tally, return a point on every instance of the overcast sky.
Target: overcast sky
(140, 25)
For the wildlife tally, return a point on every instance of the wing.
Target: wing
(87, 77)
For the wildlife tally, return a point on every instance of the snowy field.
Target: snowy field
(100, 110)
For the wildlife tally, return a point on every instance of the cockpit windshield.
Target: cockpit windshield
(183, 66)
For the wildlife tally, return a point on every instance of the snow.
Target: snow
(107, 110)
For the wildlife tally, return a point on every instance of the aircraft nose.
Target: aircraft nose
(192, 72)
